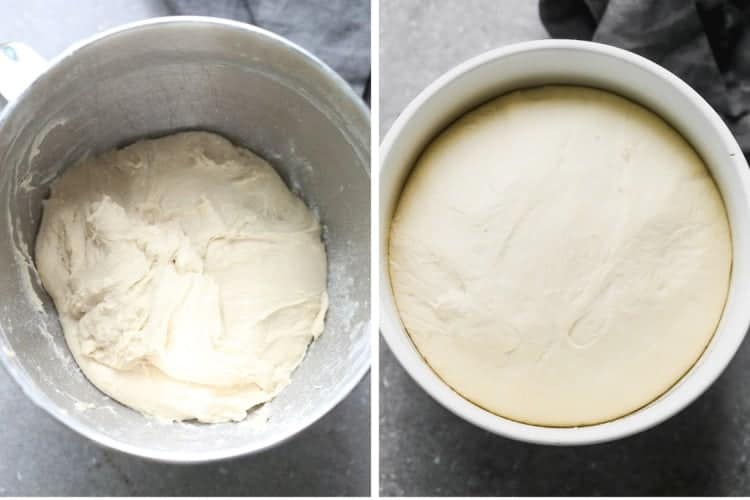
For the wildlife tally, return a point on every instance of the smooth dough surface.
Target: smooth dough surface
(560, 256)
(188, 279)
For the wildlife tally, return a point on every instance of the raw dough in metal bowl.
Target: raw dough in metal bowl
(560, 256)
(188, 279)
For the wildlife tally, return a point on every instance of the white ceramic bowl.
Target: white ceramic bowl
(579, 63)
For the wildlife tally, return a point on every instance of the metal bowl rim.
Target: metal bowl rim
(42, 401)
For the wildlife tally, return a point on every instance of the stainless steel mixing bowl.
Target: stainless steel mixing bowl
(154, 78)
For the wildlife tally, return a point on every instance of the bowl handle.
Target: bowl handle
(19, 66)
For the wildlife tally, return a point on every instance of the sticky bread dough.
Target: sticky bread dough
(188, 279)
(560, 256)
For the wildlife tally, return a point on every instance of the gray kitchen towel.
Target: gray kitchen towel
(337, 31)
(705, 42)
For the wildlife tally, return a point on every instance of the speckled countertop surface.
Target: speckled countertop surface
(426, 450)
(38, 456)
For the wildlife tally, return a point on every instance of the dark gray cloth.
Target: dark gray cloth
(705, 42)
(337, 31)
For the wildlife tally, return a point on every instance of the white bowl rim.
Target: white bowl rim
(675, 400)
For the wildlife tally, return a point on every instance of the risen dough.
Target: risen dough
(187, 278)
(560, 256)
